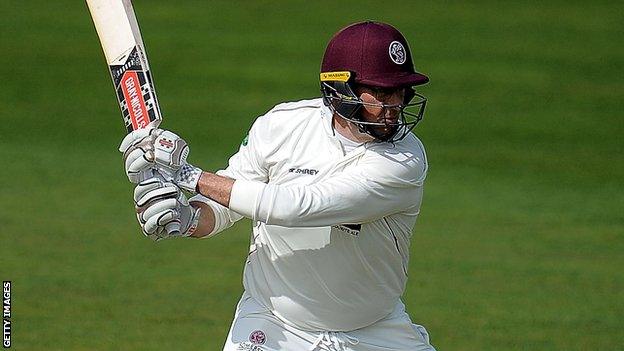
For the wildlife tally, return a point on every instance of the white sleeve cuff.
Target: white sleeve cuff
(218, 215)
(244, 197)
(222, 217)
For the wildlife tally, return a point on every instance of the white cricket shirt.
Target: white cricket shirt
(330, 244)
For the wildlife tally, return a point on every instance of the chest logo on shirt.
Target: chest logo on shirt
(353, 229)
(307, 171)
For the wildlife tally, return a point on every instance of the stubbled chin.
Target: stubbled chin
(385, 131)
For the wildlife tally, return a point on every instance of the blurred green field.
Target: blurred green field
(521, 237)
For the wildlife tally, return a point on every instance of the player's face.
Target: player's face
(381, 105)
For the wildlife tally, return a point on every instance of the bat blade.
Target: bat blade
(120, 36)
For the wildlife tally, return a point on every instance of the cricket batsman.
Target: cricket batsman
(333, 186)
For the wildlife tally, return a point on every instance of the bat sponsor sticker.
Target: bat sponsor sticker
(131, 88)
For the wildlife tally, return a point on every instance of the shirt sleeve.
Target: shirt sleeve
(370, 192)
(246, 165)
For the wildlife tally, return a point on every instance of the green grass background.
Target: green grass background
(521, 237)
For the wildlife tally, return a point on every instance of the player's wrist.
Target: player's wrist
(187, 177)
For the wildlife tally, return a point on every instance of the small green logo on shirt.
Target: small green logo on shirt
(245, 140)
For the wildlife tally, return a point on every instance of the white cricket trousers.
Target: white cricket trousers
(255, 328)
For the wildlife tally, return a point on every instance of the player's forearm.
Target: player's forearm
(215, 187)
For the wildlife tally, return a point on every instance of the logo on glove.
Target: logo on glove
(166, 143)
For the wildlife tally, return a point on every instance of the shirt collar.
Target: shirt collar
(328, 118)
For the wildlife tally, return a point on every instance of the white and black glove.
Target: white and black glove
(163, 210)
(148, 150)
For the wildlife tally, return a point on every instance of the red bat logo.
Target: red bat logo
(131, 88)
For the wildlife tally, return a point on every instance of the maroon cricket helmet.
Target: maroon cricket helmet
(376, 53)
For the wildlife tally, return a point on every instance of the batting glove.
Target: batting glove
(148, 150)
(163, 211)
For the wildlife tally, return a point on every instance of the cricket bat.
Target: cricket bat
(120, 36)
(118, 30)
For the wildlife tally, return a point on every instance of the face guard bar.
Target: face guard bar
(340, 97)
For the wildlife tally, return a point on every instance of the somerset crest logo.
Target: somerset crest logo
(397, 53)
(257, 337)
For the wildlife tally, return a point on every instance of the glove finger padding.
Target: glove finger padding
(153, 189)
(135, 136)
(156, 236)
(146, 186)
(139, 159)
(159, 221)
(138, 165)
(159, 207)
